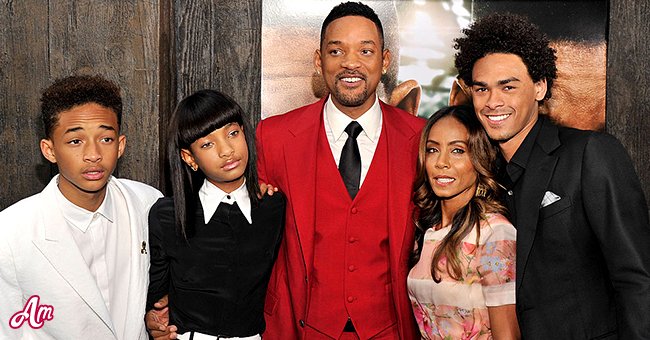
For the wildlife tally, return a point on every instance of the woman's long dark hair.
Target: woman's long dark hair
(482, 154)
(197, 116)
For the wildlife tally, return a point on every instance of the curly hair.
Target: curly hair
(506, 33)
(68, 92)
(482, 154)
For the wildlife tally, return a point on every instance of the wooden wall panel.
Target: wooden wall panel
(167, 83)
(237, 67)
(24, 71)
(218, 46)
(628, 81)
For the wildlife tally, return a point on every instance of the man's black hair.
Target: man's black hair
(346, 9)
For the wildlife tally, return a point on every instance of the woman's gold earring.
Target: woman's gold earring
(481, 190)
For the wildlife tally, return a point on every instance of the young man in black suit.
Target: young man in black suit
(583, 261)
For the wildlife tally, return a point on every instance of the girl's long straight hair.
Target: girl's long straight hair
(482, 154)
(197, 116)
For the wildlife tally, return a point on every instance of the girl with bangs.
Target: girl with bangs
(462, 280)
(213, 243)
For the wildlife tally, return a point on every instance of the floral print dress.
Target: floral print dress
(458, 309)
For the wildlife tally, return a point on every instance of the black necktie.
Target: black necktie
(350, 163)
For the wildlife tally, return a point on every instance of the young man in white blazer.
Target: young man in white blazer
(74, 257)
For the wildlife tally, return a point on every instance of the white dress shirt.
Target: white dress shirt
(211, 196)
(335, 124)
(103, 238)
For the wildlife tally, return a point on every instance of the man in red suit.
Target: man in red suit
(342, 266)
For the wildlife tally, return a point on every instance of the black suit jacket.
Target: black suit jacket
(583, 262)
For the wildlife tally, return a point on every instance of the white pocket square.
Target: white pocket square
(549, 198)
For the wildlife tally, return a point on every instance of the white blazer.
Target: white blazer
(38, 256)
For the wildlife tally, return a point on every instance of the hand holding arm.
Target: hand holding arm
(267, 189)
(157, 321)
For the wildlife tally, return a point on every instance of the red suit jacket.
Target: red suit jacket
(286, 146)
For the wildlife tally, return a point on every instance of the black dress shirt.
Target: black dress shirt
(217, 279)
(508, 174)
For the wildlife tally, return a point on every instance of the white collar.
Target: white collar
(370, 120)
(211, 196)
(81, 218)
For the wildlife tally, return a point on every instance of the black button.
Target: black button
(302, 323)
(228, 196)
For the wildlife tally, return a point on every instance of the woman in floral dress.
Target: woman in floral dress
(462, 284)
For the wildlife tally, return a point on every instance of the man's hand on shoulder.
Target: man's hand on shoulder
(267, 189)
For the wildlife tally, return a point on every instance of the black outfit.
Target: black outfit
(508, 173)
(216, 280)
(583, 261)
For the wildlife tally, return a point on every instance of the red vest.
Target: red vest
(351, 272)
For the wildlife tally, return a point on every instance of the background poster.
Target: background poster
(420, 35)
